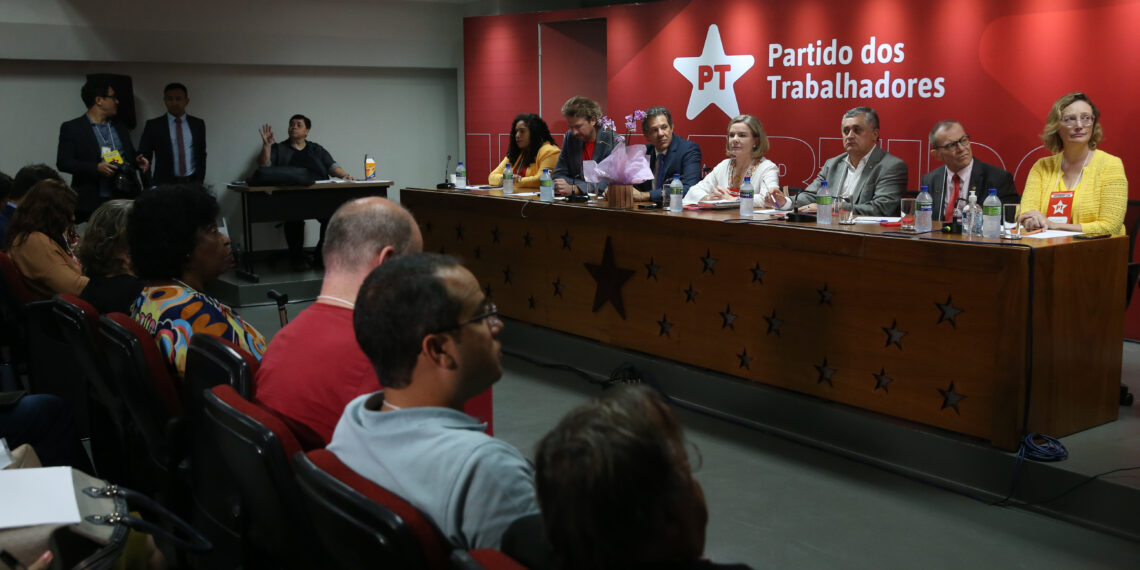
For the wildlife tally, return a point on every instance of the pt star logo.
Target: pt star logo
(712, 75)
(1059, 208)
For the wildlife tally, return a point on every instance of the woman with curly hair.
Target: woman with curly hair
(106, 259)
(40, 239)
(531, 150)
(177, 249)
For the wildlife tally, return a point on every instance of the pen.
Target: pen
(1038, 230)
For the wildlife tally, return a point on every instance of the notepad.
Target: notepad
(44, 495)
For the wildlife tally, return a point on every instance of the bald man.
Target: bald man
(314, 366)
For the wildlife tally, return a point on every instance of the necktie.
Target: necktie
(953, 199)
(181, 147)
(657, 170)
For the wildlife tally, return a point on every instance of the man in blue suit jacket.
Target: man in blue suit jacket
(160, 140)
(668, 155)
(584, 141)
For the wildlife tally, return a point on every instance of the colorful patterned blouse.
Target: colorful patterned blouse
(173, 313)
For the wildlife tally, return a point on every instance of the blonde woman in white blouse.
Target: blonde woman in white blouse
(746, 146)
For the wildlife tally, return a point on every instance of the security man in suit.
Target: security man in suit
(176, 140)
(668, 155)
(961, 173)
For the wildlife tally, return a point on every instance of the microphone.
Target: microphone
(795, 215)
(446, 184)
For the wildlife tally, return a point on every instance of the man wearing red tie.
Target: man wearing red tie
(178, 140)
(961, 173)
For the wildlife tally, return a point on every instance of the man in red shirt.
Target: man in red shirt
(314, 367)
(584, 141)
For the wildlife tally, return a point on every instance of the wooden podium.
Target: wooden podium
(984, 337)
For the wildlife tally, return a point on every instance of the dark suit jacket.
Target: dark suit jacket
(683, 158)
(982, 177)
(569, 166)
(879, 188)
(78, 154)
(156, 145)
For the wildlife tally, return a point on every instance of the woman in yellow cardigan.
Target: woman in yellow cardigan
(1080, 188)
(532, 149)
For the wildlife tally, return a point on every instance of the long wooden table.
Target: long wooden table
(984, 337)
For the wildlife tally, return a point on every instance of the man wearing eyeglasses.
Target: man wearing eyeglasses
(961, 173)
(433, 337)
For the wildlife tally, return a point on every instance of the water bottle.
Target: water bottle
(508, 180)
(676, 193)
(823, 204)
(747, 197)
(460, 175)
(369, 167)
(991, 215)
(546, 186)
(924, 210)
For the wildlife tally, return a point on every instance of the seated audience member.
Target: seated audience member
(1079, 189)
(746, 146)
(433, 338)
(25, 178)
(531, 150)
(869, 176)
(616, 489)
(176, 249)
(314, 367)
(41, 237)
(668, 155)
(106, 259)
(584, 141)
(298, 151)
(961, 172)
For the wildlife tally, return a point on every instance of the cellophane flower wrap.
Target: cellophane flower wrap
(625, 164)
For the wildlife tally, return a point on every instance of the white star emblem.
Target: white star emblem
(1059, 208)
(712, 75)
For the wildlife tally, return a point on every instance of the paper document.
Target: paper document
(522, 194)
(876, 219)
(37, 496)
(1051, 234)
(770, 212)
(366, 181)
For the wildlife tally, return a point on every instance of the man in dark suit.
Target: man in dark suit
(176, 139)
(584, 141)
(94, 150)
(668, 155)
(961, 173)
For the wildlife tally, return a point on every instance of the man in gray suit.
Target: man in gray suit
(873, 178)
(961, 173)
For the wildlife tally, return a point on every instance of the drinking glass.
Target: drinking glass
(907, 215)
(1010, 229)
(846, 212)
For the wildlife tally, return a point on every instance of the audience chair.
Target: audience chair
(14, 295)
(256, 447)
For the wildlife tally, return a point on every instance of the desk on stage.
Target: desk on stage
(984, 337)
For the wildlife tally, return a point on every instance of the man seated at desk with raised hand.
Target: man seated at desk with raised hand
(668, 155)
(869, 176)
(298, 151)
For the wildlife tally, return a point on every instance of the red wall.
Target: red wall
(1000, 66)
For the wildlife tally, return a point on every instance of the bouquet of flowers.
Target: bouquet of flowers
(625, 165)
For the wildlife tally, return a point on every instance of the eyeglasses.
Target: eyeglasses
(952, 145)
(1083, 120)
(490, 313)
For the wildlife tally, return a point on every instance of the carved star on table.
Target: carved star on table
(949, 312)
(651, 269)
(507, 274)
(487, 290)
(709, 261)
(882, 380)
(495, 234)
(478, 253)
(691, 294)
(443, 250)
(459, 232)
(665, 325)
(427, 227)
(727, 318)
(558, 286)
(825, 295)
(950, 398)
(610, 279)
(745, 360)
(526, 239)
(567, 239)
(774, 324)
(757, 274)
(894, 334)
(825, 373)
(531, 301)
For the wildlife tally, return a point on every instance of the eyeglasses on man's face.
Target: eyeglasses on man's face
(952, 145)
(489, 312)
(1074, 120)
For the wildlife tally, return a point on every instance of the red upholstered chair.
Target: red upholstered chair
(14, 295)
(255, 446)
(363, 525)
(15, 288)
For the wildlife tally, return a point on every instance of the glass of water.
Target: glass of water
(1010, 228)
(907, 219)
(846, 211)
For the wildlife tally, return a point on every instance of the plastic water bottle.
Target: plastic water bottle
(991, 215)
(823, 204)
(747, 197)
(508, 180)
(924, 210)
(460, 175)
(369, 167)
(676, 193)
(546, 186)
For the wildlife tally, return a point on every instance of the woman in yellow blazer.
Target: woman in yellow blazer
(532, 149)
(1080, 188)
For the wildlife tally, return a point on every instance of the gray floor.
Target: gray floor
(778, 504)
